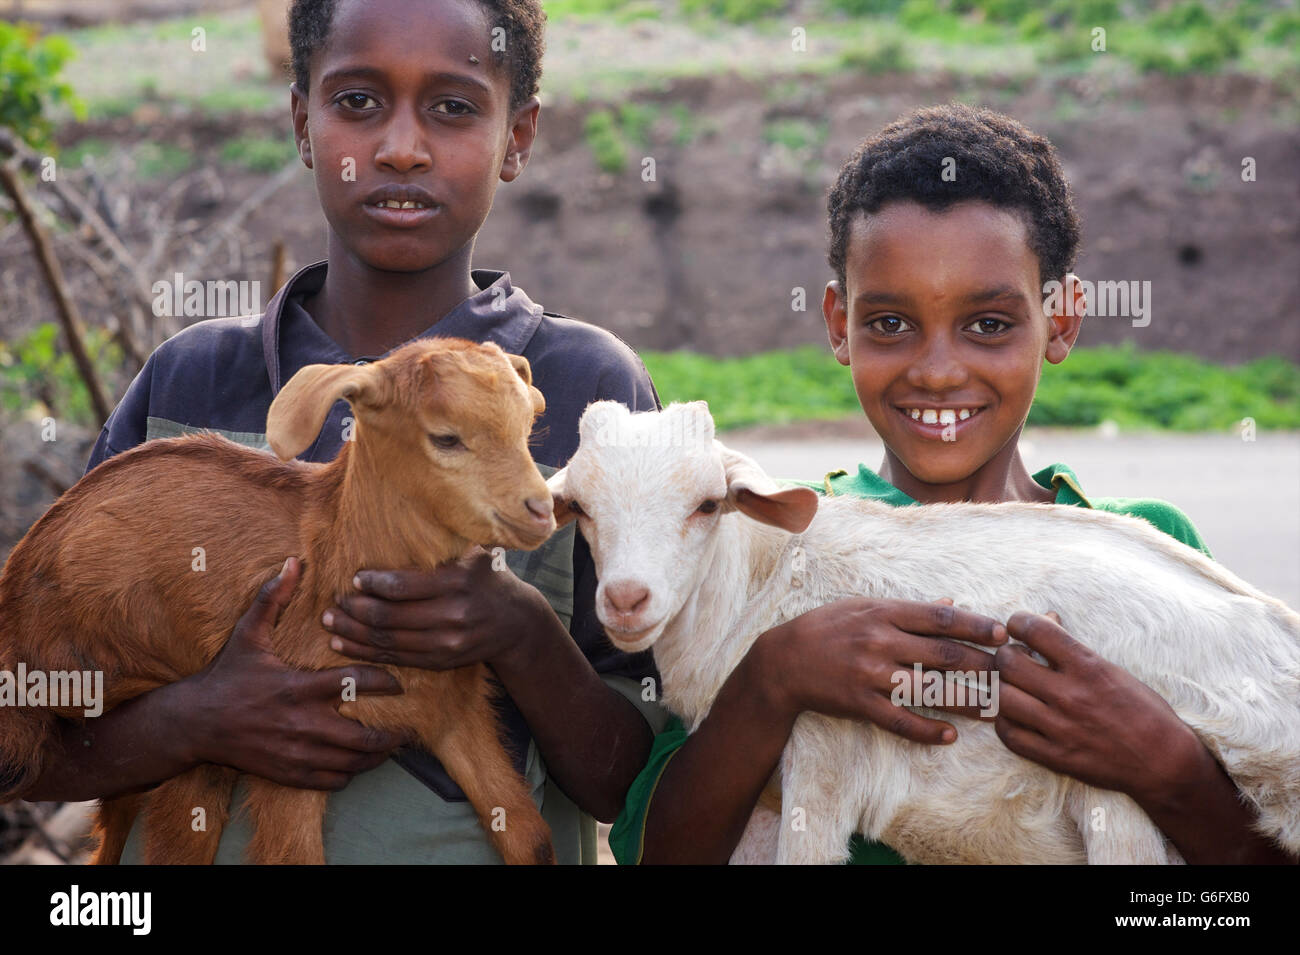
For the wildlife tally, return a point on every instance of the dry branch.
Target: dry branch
(67, 308)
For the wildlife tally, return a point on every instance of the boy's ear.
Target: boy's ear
(836, 312)
(301, 137)
(1067, 320)
(519, 147)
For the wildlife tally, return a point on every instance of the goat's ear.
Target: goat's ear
(525, 371)
(559, 498)
(520, 364)
(299, 410)
(754, 494)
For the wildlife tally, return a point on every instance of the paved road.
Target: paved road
(1243, 496)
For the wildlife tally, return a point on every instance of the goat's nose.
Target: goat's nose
(542, 510)
(627, 596)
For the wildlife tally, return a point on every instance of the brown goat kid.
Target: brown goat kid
(105, 580)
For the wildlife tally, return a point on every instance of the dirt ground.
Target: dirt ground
(706, 257)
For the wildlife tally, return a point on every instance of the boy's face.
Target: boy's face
(408, 105)
(942, 317)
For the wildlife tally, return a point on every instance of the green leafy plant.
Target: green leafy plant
(1137, 390)
(35, 372)
(605, 140)
(29, 85)
(736, 11)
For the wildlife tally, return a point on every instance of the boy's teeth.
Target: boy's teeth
(941, 415)
(394, 204)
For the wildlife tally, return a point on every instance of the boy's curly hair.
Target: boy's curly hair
(524, 22)
(997, 160)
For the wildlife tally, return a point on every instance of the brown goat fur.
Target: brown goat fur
(105, 580)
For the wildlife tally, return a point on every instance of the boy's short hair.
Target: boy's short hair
(995, 159)
(524, 23)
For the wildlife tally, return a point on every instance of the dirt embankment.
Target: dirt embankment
(706, 256)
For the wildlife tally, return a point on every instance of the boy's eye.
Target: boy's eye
(989, 326)
(454, 107)
(888, 325)
(357, 101)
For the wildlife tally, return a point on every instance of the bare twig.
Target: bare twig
(83, 213)
(120, 330)
(228, 230)
(67, 309)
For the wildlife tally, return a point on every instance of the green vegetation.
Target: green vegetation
(1136, 390)
(796, 134)
(621, 11)
(735, 11)
(37, 373)
(30, 86)
(613, 134)
(259, 153)
(160, 160)
(605, 141)
(122, 66)
(770, 388)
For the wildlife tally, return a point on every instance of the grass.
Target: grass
(613, 134)
(259, 153)
(1136, 390)
(120, 67)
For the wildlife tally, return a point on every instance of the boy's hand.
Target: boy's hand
(465, 612)
(254, 713)
(1085, 717)
(840, 659)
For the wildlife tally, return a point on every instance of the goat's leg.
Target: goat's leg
(758, 845)
(185, 817)
(287, 824)
(113, 826)
(471, 752)
(1115, 830)
(817, 810)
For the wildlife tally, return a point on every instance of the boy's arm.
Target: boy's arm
(593, 740)
(835, 660)
(246, 710)
(1092, 720)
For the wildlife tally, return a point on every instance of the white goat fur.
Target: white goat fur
(1224, 655)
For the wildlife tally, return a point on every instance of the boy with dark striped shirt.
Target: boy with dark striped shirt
(428, 106)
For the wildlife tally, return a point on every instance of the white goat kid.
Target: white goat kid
(698, 551)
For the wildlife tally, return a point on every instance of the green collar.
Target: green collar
(867, 483)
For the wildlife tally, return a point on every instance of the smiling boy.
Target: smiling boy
(409, 113)
(937, 308)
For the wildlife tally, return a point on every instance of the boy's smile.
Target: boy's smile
(408, 128)
(942, 325)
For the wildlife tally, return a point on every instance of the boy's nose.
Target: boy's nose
(938, 371)
(403, 146)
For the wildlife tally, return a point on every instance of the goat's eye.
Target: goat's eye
(708, 507)
(445, 441)
(577, 508)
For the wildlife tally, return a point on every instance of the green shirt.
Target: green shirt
(627, 837)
